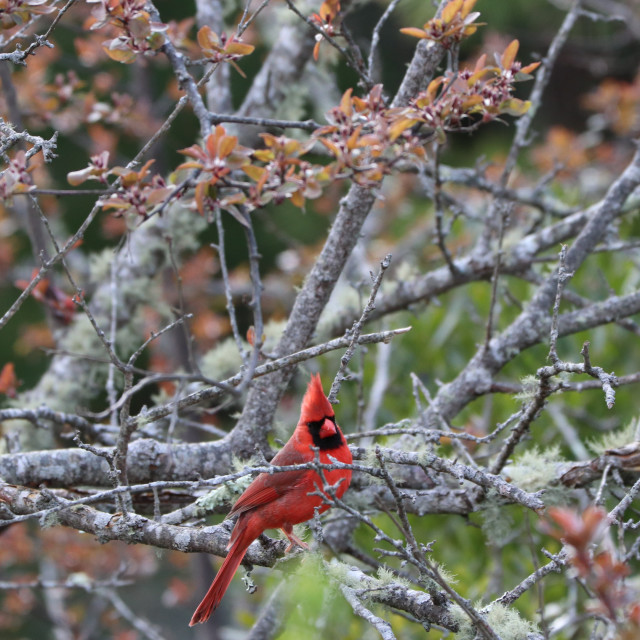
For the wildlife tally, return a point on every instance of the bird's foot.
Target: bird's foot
(294, 541)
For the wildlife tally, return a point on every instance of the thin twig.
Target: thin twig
(354, 333)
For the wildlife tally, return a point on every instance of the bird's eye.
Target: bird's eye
(315, 424)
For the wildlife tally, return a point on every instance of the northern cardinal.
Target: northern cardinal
(280, 500)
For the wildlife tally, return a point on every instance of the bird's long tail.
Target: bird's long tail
(222, 580)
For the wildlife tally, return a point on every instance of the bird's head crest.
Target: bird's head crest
(315, 405)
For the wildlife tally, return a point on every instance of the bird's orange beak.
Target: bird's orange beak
(327, 429)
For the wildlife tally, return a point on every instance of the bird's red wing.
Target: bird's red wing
(269, 486)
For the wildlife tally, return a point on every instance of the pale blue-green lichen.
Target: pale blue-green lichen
(534, 469)
(223, 495)
(497, 522)
(615, 439)
(223, 361)
(505, 621)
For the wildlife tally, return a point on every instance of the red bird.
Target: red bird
(280, 500)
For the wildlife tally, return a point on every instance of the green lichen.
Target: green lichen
(529, 389)
(347, 300)
(497, 523)
(272, 333)
(49, 520)
(293, 104)
(342, 573)
(371, 460)
(100, 265)
(505, 621)
(387, 577)
(615, 439)
(534, 469)
(222, 361)
(223, 495)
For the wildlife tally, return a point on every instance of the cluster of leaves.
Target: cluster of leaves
(365, 140)
(601, 572)
(616, 103)
(9, 382)
(325, 20)
(451, 101)
(61, 305)
(138, 32)
(18, 12)
(137, 191)
(221, 48)
(15, 179)
(455, 23)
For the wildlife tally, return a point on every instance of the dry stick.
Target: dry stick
(141, 625)
(244, 23)
(355, 331)
(109, 456)
(184, 78)
(504, 214)
(615, 515)
(231, 310)
(18, 56)
(382, 626)
(437, 200)
(563, 276)
(575, 299)
(603, 482)
(70, 583)
(110, 385)
(543, 74)
(356, 56)
(378, 387)
(404, 526)
(44, 413)
(529, 414)
(306, 125)
(256, 299)
(182, 315)
(607, 380)
(556, 564)
(375, 36)
(230, 385)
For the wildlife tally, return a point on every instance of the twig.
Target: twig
(563, 276)
(231, 310)
(18, 56)
(382, 626)
(354, 333)
(141, 625)
(439, 206)
(557, 563)
(256, 300)
(375, 36)
(503, 211)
